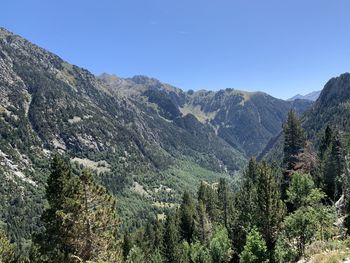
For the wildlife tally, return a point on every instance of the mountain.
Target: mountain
(146, 140)
(331, 108)
(313, 96)
(245, 120)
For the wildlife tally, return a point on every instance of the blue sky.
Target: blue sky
(282, 47)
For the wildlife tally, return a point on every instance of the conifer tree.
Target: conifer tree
(53, 243)
(294, 144)
(294, 140)
(187, 218)
(204, 229)
(325, 141)
(245, 207)
(170, 240)
(95, 221)
(270, 208)
(209, 197)
(224, 201)
(332, 165)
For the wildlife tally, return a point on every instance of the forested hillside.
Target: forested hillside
(109, 169)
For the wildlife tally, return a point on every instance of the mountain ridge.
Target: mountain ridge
(145, 140)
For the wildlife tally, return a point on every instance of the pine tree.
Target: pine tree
(204, 229)
(245, 207)
(170, 240)
(270, 208)
(325, 141)
(294, 144)
(224, 201)
(294, 140)
(332, 165)
(95, 222)
(187, 218)
(53, 243)
(251, 171)
(209, 197)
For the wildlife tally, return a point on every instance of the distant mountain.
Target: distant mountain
(313, 96)
(245, 120)
(146, 140)
(331, 108)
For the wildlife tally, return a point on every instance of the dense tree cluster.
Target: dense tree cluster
(273, 216)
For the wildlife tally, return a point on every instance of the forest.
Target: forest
(279, 212)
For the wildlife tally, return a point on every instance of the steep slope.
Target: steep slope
(331, 108)
(147, 141)
(48, 105)
(245, 120)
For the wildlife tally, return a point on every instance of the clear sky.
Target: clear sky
(282, 47)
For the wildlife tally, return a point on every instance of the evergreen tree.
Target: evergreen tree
(325, 141)
(294, 143)
(251, 172)
(95, 221)
(270, 208)
(53, 243)
(187, 218)
(294, 140)
(224, 201)
(209, 197)
(170, 240)
(204, 229)
(333, 164)
(255, 250)
(245, 207)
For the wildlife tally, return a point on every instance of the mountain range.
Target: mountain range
(146, 140)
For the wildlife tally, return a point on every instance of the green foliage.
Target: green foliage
(245, 205)
(255, 250)
(171, 240)
(301, 227)
(136, 256)
(299, 190)
(199, 253)
(80, 221)
(7, 254)
(332, 164)
(312, 220)
(294, 140)
(220, 246)
(188, 218)
(270, 208)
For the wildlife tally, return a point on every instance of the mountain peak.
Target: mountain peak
(312, 96)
